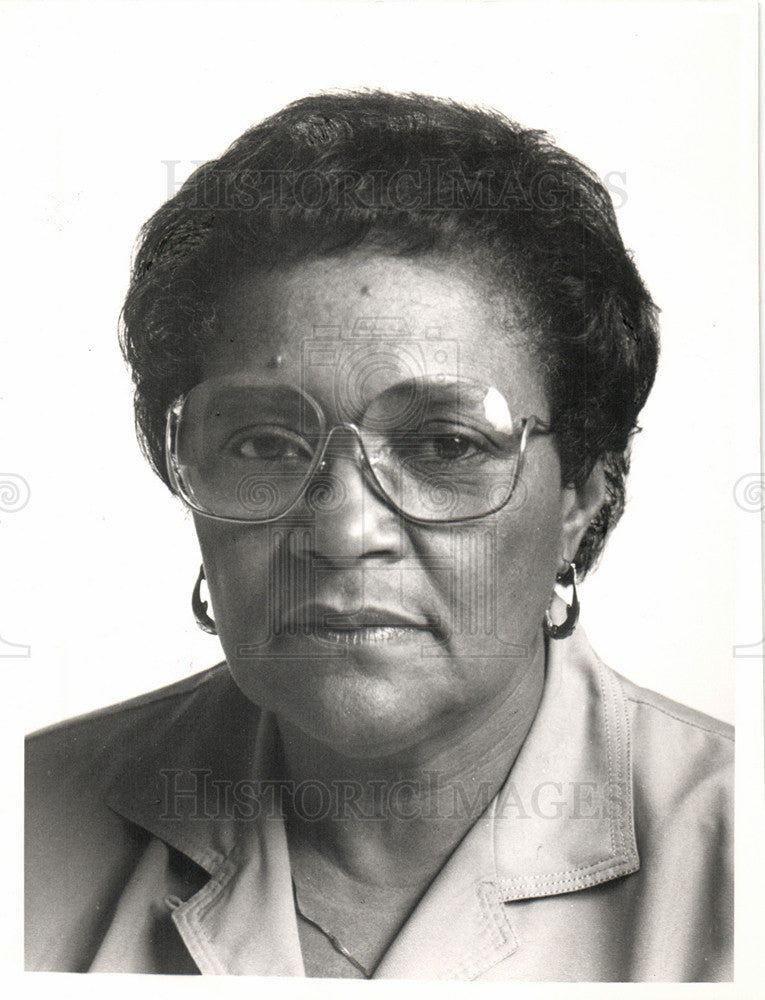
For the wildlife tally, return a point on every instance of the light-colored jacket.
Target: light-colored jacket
(606, 856)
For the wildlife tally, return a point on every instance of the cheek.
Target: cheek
(239, 572)
(504, 567)
(527, 557)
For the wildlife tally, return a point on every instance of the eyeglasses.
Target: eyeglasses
(437, 451)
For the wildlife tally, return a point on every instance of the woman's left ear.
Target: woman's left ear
(580, 505)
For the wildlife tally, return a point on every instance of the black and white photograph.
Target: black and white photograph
(383, 498)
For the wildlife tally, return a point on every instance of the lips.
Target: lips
(361, 626)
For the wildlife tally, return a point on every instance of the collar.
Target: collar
(196, 757)
(564, 818)
(563, 821)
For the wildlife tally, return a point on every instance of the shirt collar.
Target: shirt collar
(564, 818)
(190, 778)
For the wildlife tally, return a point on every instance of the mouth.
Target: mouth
(368, 626)
(370, 635)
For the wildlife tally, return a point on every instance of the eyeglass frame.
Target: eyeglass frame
(527, 426)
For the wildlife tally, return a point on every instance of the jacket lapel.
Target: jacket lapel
(459, 928)
(181, 781)
(564, 820)
(243, 921)
(193, 784)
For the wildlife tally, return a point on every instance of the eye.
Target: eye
(271, 445)
(450, 447)
(442, 442)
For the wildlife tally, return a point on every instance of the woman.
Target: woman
(390, 351)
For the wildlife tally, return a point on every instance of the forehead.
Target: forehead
(376, 320)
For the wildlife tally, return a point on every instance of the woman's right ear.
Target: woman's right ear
(199, 607)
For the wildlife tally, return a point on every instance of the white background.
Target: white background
(99, 565)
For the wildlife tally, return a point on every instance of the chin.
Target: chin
(355, 713)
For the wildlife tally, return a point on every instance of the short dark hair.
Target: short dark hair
(410, 175)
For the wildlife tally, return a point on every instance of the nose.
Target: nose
(351, 519)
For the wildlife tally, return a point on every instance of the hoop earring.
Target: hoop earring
(566, 627)
(199, 607)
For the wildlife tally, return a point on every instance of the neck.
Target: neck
(387, 820)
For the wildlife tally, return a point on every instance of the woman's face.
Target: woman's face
(435, 626)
